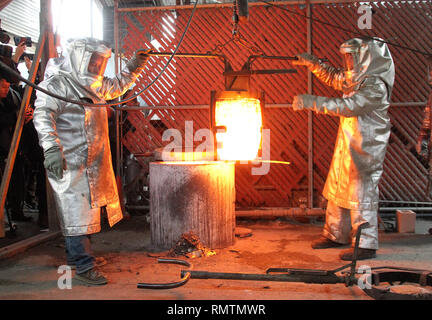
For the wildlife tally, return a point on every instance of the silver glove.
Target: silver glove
(54, 161)
(138, 60)
(306, 59)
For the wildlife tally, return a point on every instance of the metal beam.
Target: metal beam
(21, 246)
(230, 4)
(280, 212)
(310, 113)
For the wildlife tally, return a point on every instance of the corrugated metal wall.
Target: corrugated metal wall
(21, 18)
(277, 32)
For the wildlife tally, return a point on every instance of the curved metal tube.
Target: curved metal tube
(168, 285)
(174, 261)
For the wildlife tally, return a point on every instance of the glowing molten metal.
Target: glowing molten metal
(243, 121)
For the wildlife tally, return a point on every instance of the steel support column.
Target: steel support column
(310, 112)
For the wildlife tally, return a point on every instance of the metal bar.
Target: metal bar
(281, 212)
(418, 215)
(288, 58)
(252, 57)
(387, 209)
(212, 122)
(355, 253)
(186, 55)
(408, 104)
(406, 202)
(116, 61)
(23, 245)
(229, 5)
(270, 106)
(18, 130)
(310, 112)
(306, 278)
(273, 71)
(264, 71)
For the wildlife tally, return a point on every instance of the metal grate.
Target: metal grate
(188, 82)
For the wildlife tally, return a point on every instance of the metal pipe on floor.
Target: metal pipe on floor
(318, 212)
(280, 212)
(423, 209)
(406, 202)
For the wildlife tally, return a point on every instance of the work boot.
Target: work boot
(324, 243)
(91, 277)
(362, 254)
(98, 262)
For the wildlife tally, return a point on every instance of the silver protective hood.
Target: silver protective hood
(371, 57)
(74, 64)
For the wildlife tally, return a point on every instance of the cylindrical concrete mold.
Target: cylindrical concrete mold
(192, 196)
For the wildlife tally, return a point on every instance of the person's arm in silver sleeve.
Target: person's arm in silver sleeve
(331, 76)
(114, 87)
(372, 93)
(44, 120)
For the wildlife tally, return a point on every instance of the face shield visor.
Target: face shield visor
(348, 60)
(356, 60)
(87, 60)
(97, 64)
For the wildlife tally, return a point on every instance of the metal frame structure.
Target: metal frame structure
(312, 87)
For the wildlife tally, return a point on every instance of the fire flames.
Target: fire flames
(243, 122)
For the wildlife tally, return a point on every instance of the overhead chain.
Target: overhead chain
(237, 36)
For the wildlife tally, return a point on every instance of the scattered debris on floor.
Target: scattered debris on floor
(190, 246)
(243, 232)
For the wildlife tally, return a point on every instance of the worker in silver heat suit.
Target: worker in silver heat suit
(351, 187)
(76, 144)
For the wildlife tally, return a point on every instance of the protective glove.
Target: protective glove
(422, 145)
(138, 60)
(54, 161)
(298, 103)
(305, 59)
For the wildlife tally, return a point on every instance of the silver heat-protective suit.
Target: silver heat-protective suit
(352, 182)
(80, 134)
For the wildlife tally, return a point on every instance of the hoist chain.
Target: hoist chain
(237, 36)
